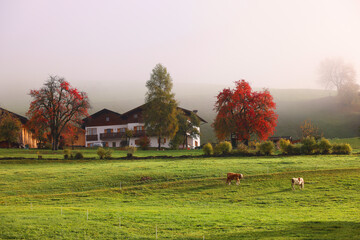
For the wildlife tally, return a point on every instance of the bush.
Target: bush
(295, 149)
(208, 149)
(341, 148)
(79, 155)
(67, 154)
(284, 146)
(308, 145)
(130, 151)
(242, 149)
(223, 148)
(267, 148)
(144, 143)
(103, 153)
(324, 146)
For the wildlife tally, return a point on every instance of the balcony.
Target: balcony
(139, 133)
(110, 136)
(91, 137)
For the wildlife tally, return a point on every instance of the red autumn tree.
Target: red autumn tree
(72, 134)
(39, 129)
(57, 105)
(242, 113)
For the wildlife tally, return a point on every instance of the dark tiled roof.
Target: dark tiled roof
(22, 119)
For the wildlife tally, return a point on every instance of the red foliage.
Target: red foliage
(244, 113)
(57, 105)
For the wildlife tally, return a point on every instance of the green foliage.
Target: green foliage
(341, 148)
(9, 128)
(308, 145)
(144, 143)
(266, 148)
(188, 127)
(104, 153)
(242, 149)
(324, 146)
(284, 146)
(160, 113)
(67, 154)
(175, 142)
(130, 151)
(295, 149)
(208, 149)
(79, 155)
(223, 148)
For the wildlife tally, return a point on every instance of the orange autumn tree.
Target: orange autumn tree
(72, 133)
(58, 105)
(243, 113)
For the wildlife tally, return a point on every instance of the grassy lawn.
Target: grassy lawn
(182, 198)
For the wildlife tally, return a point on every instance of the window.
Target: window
(122, 130)
(137, 142)
(108, 130)
(135, 116)
(196, 144)
(91, 131)
(114, 144)
(163, 140)
(107, 119)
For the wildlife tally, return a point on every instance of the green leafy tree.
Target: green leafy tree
(9, 128)
(188, 126)
(161, 106)
(128, 134)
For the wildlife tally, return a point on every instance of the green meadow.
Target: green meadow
(179, 198)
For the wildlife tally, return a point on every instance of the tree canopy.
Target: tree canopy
(161, 106)
(10, 128)
(58, 105)
(243, 113)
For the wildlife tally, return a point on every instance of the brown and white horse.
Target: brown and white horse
(234, 176)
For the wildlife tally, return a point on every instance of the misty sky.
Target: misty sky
(108, 48)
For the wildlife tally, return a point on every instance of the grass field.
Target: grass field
(180, 199)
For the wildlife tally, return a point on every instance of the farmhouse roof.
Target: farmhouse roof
(22, 119)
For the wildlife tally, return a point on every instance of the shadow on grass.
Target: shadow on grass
(302, 230)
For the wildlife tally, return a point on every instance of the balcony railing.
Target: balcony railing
(108, 136)
(139, 133)
(91, 137)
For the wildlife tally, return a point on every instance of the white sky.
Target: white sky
(108, 48)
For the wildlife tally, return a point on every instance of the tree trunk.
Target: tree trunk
(159, 140)
(186, 141)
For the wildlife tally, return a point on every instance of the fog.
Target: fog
(108, 48)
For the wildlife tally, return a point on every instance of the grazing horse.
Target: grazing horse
(297, 181)
(233, 176)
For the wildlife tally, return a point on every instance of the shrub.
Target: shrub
(242, 149)
(67, 154)
(284, 146)
(324, 146)
(341, 148)
(295, 149)
(208, 149)
(308, 145)
(267, 148)
(144, 143)
(104, 153)
(223, 148)
(130, 151)
(79, 155)
(108, 153)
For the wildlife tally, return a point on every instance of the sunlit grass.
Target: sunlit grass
(183, 199)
